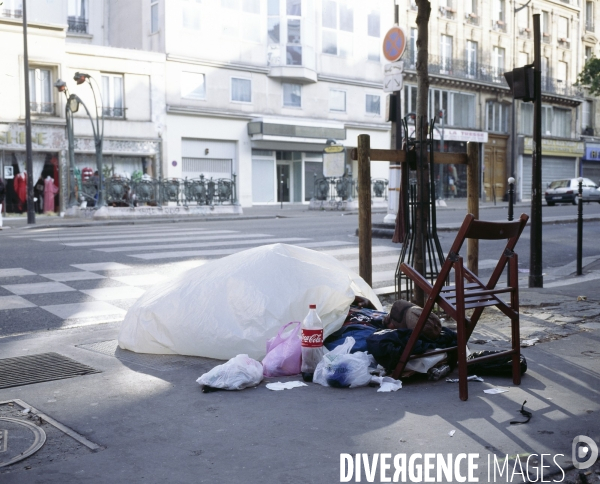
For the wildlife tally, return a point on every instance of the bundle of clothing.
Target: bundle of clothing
(385, 335)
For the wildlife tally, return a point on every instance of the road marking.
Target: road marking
(101, 266)
(38, 288)
(63, 239)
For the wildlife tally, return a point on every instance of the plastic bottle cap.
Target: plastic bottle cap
(312, 306)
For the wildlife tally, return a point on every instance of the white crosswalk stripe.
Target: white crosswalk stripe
(167, 239)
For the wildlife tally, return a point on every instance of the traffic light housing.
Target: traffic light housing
(520, 81)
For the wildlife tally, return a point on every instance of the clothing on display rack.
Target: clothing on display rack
(20, 185)
(50, 190)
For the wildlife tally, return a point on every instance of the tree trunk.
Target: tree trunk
(421, 223)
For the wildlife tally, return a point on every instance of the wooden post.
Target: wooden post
(364, 209)
(473, 203)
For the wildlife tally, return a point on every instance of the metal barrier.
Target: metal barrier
(343, 189)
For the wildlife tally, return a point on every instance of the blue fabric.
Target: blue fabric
(360, 333)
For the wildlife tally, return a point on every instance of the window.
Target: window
(241, 20)
(563, 29)
(459, 108)
(153, 16)
(588, 53)
(191, 14)
(446, 51)
(373, 104)
(586, 116)
(292, 95)
(523, 59)
(193, 85)
(446, 9)
(112, 96)
(497, 117)
(294, 7)
(293, 49)
(498, 63)
(77, 16)
(40, 91)
(462, 110)
(337, 100)
(561, 123)
(471, 58)
(555, 121)
(373, 34)
(545, 27)
(12, 8)
(562, 70)
(338, 28)
(241, 90)
(523, 22)
(273, 33)
(499, 15)
(471, 10)
(412, 57)
(589, 16)
(526, 126)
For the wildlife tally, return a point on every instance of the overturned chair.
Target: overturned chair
(470, 293)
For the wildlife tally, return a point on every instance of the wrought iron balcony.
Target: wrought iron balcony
(589, 25)
(551, 85)
(12, 13)
(46, 109)
(78, 25)
(109, 112)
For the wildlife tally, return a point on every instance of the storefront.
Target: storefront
(559, 160)
(590, 163)
(48, 144)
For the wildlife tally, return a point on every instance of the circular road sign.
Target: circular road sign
(394, 44)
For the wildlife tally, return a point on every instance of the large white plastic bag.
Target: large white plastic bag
(340, 368)
(232, 305)
(239, 372)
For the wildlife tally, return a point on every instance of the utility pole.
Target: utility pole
(28, 155)
(536, 279)
(421, 123)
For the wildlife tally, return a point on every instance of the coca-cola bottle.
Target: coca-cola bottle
(312, 342)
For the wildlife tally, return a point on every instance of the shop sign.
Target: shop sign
(592, 152)
(451, 134)
(556, 147)
(334, 161)
(12, 135)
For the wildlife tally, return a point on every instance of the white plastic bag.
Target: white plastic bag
(239, 372)
(339, 368)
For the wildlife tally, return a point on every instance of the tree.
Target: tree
(590, 76)
(423, 14)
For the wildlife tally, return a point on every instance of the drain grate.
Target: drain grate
(26, 370)
(156, 362)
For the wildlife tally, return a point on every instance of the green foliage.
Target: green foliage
(590, 76)
(136, 176)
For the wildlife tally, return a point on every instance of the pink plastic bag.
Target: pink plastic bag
(284, 354)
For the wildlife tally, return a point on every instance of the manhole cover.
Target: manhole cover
(156, 362)
(18, 440)
(25, 370)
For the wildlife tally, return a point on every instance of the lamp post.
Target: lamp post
(71, 106)
(97, 128)
(580, 227)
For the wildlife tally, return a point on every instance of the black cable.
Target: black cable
(526, 413)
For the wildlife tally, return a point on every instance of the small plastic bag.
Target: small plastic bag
(239, 372)
(341, 369)
(284, 354)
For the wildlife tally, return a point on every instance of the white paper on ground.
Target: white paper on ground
(288, 385)
(529, 342)
(469, 378)
(386, 383)
(495, 390)
(451, 433)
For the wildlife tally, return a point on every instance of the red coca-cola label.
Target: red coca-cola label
(312, 338)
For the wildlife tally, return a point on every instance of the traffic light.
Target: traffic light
(520, 81)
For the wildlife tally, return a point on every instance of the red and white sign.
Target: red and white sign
(394, 43)
(312, 338)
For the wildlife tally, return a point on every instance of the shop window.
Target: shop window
(153, 16)
(373, 104)
(241, 90)
(373, 35)
(241, 20)
(112, 96)
(338, 28)
(77, 16)
(191, 14)
(193, 85)
(40, 91)
(337, 100)
(292, 95)
(497, 117)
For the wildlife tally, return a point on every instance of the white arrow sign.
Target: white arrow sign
(393, 77)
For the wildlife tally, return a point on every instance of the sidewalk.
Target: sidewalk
(154, 425)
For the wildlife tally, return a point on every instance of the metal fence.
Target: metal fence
(343, 189)
(125, 192)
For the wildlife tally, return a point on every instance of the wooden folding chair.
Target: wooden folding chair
(469, 292)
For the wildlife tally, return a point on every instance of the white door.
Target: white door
(263, 176)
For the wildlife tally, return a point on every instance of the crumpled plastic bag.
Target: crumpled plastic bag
(386, 383)
(238, 373)
(284, 353)
(341, 369)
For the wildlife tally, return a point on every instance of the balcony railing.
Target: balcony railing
(472, 18)
(447, 12)
(78, 25)
(46, 109)
(589, 26)
(499, 25)
(546, 38)
(12, 13)
(525, 32)
(109, 112)
(335, 190)
(551, 85)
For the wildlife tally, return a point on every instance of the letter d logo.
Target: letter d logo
(590, 448)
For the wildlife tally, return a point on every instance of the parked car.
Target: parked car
(566, 191)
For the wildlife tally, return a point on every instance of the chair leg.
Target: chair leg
(461, 329)
(516, 346)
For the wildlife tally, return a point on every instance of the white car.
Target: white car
(566, 191)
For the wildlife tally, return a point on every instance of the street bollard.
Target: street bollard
(580, 227)
(511, 195)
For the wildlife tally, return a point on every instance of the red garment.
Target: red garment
(86, 173)
(50, 189)
(20, 185)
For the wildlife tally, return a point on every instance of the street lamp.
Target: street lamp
(97, 128)
(62, 87)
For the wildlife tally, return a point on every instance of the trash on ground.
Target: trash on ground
(582, 298)
(386, 383)
(284, 353)
(495, 367)
(239, 372)
(288, 385)
(425, 364)
(312, 349)
(524, 271)
(529, 342)
(26, 411)
(434, 374)
(469, 378)
(341, 369)
(526, 413)
(496, 390)
(451, 433)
